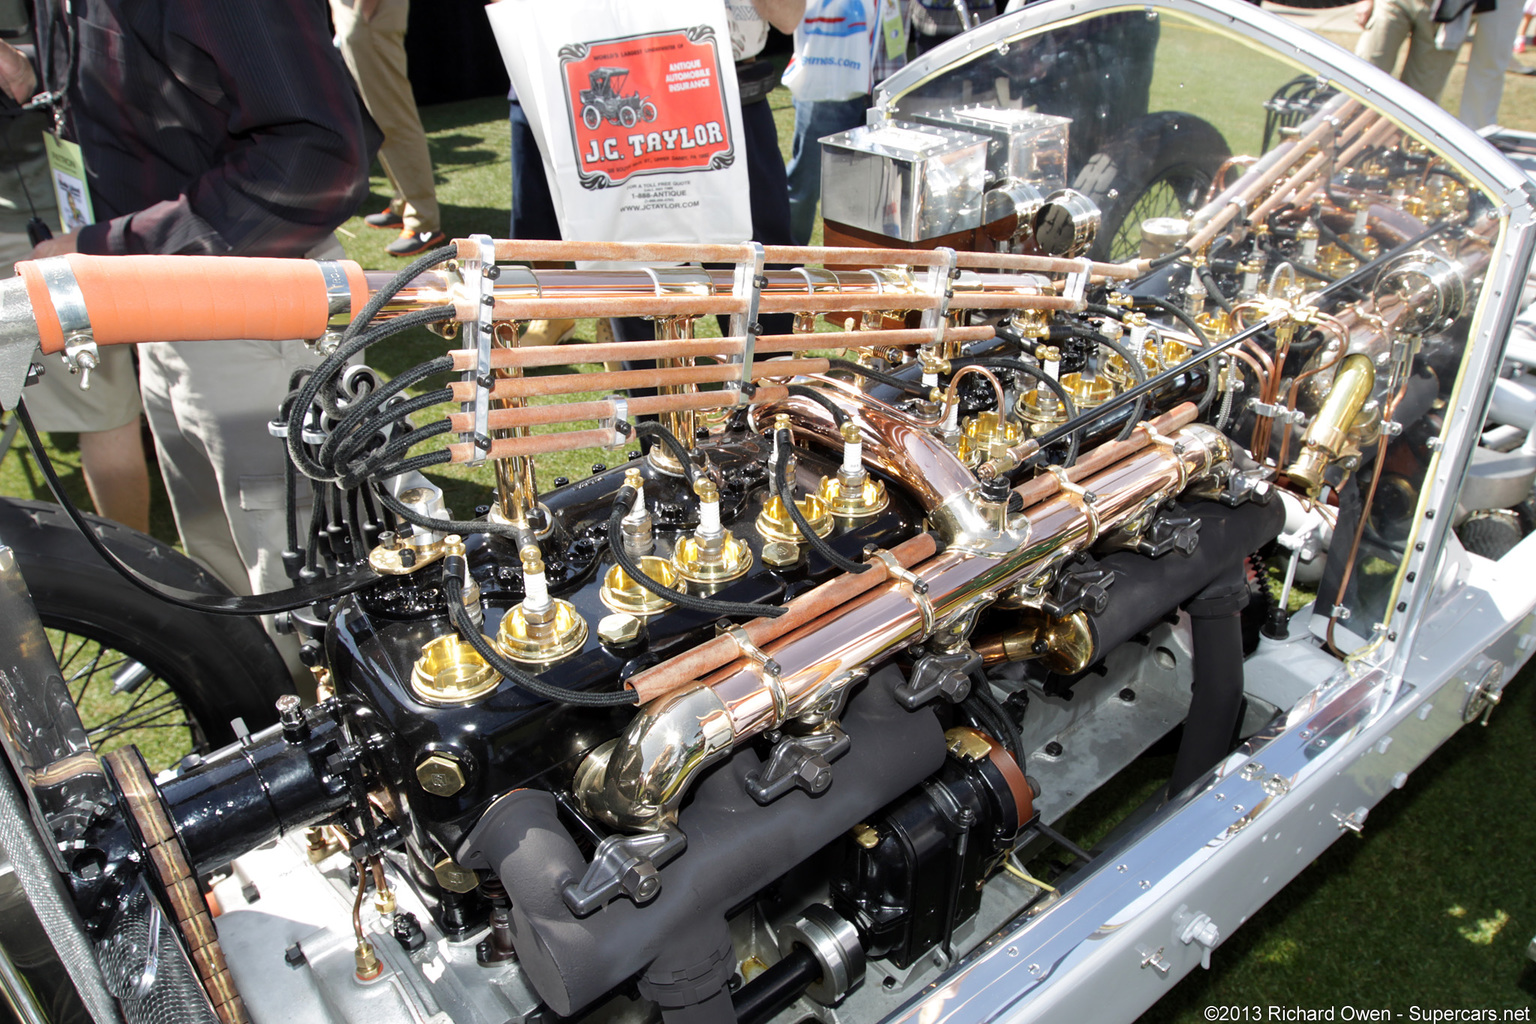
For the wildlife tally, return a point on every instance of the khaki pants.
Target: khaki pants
(1395, 21)
(375, 53)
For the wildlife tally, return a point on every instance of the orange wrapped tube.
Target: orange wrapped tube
(190, 298)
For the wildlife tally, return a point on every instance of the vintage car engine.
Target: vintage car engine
(776, 712)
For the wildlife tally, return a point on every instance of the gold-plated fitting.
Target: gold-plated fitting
(1032, 324)
(384, 900)
(1088, 393)
(1327, 438)
(538, 638)
(1040, 410)
(776, 527)
(869, 498)
(368, 965)
(1062, 645)
(986, 436)
(451, 672)
(440, 774)
(451, 876)
(320, 843)
(399, 558)
(866, 836)
(711, 555)
(618, 629)
(966, 744)
(1048, 353)
(621, 593)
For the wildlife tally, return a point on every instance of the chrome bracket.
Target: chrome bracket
(939, 281)
(747, 285)
(767, 667)
(480, 281)
(1175, 448)
(1084, 499)
(80, 352)
(919, 586)
(338, 291)
(618, 421)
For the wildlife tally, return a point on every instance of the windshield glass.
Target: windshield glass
(1355, 250)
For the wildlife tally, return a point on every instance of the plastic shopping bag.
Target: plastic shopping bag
(636, 109)
(834, 50)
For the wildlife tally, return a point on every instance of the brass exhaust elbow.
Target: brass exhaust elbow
(1324, 441)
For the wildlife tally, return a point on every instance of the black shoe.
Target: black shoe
(385, 218)
(414, 243)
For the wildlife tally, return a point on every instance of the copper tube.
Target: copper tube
(1043, 264)
(575, 383)
(533, 444)
(572, 412)
(1043, 486)
(682, 671)
(1278, 161)
(574, 306)
(1016, 300)
(767, 344)
(638, 781)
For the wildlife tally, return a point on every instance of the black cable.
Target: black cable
(460, 526)
(415, 463)
(332, 365)
(1113, 312)
(623, 501)
(1178, 314)
(839, 416)
(669, 440)
(1010, 737)
(458, 615)
(356, 476)
(900, 384)
(1139, 371)
(215, 604)
(1339, 240)
(1068, 407)
(1213, 288)
(787, 496)
(364, 407)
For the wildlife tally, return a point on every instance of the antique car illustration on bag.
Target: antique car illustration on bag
(606, 101)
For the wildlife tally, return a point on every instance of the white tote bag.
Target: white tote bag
(635, 106)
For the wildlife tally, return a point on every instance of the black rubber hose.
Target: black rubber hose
(1113, 312)
(839, 416)
(623, 501)
(787, 495)
(1178, 314)
(1216, 636)
(304, 596)
(890, 381)
(459, 526)
(761, 999)
(1342, 243)
(1061, 393)
(453, 596)
(1213, 288)
(669, 440)
(1140, 373)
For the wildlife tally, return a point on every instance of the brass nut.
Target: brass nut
(453, 877)
(618, 629)
(440, 774)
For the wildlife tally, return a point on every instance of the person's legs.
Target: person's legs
(1486, 64)
(116, 474)
(1426, 67)
(813, 121)
(208, 405)
(1384, 35)
(375, 53)
(533, 207)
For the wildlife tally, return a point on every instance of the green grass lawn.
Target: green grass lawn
(1432, 906)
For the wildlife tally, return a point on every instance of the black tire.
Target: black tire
(1491, 534)
(1159, 167)
(215, 668)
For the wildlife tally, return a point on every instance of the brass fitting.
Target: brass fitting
(853, 493)
(450, 672)
(618, 630)
(1327, 438)
(1064, 646)
(367, 961)
(621, 593)
(542, 629)
(440, 774)
(711, 556)
(985, 436)
(639, 537)
(451, 876)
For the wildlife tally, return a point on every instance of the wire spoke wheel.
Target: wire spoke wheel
(146, 712)
(1176, 191)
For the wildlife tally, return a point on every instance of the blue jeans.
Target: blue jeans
(533, 208)
(813, 120)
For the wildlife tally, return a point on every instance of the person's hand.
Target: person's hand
(56, 246)
(16, 76)
(1363, 12)
(366, 9)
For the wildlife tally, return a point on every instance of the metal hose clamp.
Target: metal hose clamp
(767, 666)
(1081, 497)
(918, 585)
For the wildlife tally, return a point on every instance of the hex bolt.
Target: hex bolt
(440, 774)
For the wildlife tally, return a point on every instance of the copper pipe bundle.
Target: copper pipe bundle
(656, 377)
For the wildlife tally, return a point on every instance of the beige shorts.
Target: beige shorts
(56, 403)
